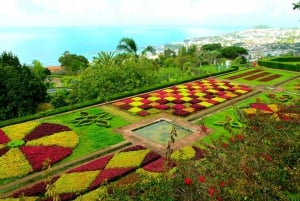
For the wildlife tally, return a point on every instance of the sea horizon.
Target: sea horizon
(47, 44)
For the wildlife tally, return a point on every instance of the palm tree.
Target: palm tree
(105, 58)
(149, 49)
(127, 45)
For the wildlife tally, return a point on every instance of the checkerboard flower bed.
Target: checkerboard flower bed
(206, 93)
(93, 174)
(26, 146)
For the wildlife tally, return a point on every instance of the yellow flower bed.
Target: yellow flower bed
(19, 131)
(184, 153)
(13, 164)
(64, 139)
(75, 182)
(127, 159)
(93, 195)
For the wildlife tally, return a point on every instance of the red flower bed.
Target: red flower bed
(46, 129)
(3, 138)
(182, 113)
(197, 106)
(36, 159)
(98, 164)
(35, 190)
(109, 175)
(261, 106)
(151, 156)
(199, 153)
(3, 151)
(161, 107)
(133, 148)
(125, 107)
(159, 165)
(269, 78)
(243, 74)
(143, 113)
(253, 77)
(178, 107)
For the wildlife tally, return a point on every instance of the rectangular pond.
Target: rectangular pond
(159, 131)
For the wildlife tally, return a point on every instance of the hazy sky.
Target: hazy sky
(276, 13)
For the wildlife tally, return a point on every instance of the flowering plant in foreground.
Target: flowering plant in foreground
(255, 164)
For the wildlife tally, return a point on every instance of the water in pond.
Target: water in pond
(160, 131)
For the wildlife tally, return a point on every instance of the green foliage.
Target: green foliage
(285, 63)
(98, 81)
(127, 45)
(85, 119)
(233, 52)
(39, 70)
(211, 47)
(60, 98)
(9, 59)
(20, 92)
(73, 63)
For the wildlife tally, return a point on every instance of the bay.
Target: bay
(47, 44)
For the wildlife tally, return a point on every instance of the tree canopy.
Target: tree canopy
(232, 52)
(73, 63)
(20, 90)
(296, 6)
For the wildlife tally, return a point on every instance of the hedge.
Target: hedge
(111, 98)
(285, 63)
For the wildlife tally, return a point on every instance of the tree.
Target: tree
(9, 59)
(149, 49)
(211, 47)
(39, 70)
(20, 92)
(105, 59)
(127, 45)
(73, 63)
(296, 6)
(232, 52)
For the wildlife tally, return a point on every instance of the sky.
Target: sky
(192, 13)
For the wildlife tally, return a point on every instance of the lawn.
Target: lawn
(262, 76)
(91, 138)
(293, 86)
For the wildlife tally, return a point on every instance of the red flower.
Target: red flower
(188, 181)
(240, 137)
(203, 129)
(201, 179)
(211, 191)
(225, 145)
(222, 184)
(267, 157)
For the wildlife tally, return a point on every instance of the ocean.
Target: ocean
(47, 44)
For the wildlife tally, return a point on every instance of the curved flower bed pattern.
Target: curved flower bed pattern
(25, 147)
(92, 175)
(273, 109)
(183, 99)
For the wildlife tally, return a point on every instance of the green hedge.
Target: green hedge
(285, 63)
(111, 98)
